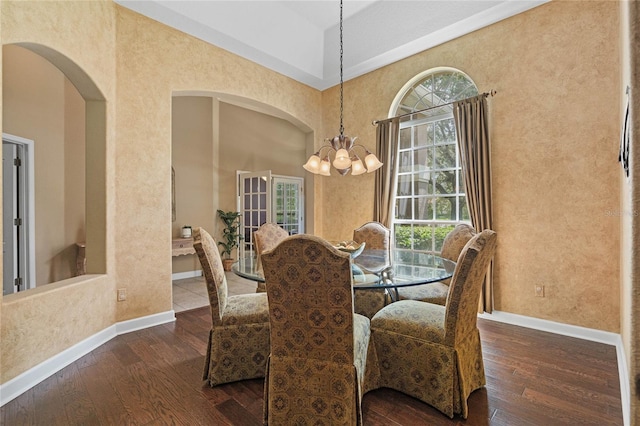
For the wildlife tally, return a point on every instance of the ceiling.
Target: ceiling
(300, 38)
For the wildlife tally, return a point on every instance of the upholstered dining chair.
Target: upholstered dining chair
(452, 245)
(433, 352)
(319, 347)
(266, 237)
(377, 237)
(239, 337)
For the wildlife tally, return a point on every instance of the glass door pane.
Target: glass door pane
(255, 205)
(288, 203)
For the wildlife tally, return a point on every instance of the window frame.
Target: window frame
(405, 176)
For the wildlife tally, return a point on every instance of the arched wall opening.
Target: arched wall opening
(213, 136)
(57, 105)
(50, 320)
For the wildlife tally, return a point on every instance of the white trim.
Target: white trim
(187, 274)
(136, 324)
(623, 373)
(25, 381)
(554, 327)
(583, 333)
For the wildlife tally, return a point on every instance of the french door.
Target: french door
(255, 204)
(287, 201)
(264, 197)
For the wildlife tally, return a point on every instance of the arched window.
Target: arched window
(430, 197)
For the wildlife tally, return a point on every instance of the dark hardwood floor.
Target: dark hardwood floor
(153, 377)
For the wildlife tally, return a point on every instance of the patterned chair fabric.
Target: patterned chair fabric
(239, 337)
(452, 246)
(433, 352)
(319, 347)
(376, 236)
(265, 238)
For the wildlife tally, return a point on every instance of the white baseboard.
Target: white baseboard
(583, 333)
(554, 327)
(187, 274)
(625, 392)
(128, 326)
(25, 381)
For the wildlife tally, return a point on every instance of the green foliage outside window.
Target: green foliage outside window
(422, 237)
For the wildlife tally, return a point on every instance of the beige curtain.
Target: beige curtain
(470, 117)
(386, 179)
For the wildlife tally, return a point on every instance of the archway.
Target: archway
(90, 225)
(214, 135)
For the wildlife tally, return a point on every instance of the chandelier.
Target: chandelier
(344, 147)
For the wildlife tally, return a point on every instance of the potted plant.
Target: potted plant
(230, 236)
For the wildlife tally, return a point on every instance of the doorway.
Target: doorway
(18, 237)
(264, 197)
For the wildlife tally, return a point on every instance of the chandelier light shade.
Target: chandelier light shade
(343, 147)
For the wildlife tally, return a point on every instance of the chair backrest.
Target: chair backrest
(455, 241)
(310, 300)
(267, 237)
(466, 285)
(377, 237)
(213, 272)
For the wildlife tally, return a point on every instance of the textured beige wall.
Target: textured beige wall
(40, 104)
(155, 62)
(192, 160)
(252, 141)
(555, 164)
(554, 128)
(348, 200)
(42, 322)
(74, 170)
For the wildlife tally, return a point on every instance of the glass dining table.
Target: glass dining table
(373, 270)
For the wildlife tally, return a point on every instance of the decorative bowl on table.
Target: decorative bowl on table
(351, 247)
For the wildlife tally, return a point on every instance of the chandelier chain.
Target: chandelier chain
(341, 83)
(345, 158)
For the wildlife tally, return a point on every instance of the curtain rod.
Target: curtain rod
(485, 94)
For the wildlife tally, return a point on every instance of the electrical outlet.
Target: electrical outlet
(539, 289)
(122, 294)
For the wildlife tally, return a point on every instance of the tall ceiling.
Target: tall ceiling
(301, 38)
